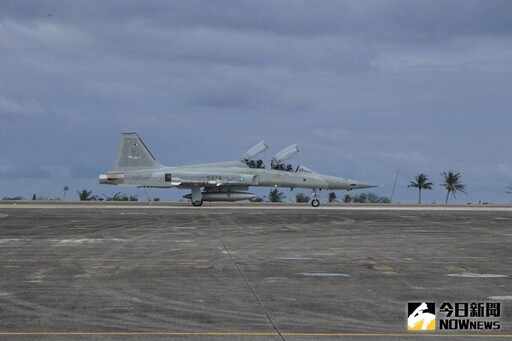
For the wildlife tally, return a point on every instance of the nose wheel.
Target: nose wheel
(315, 202)
(197, 203)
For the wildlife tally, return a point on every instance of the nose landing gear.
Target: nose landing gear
(315, 202)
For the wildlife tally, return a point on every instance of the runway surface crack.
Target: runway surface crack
(251, 289)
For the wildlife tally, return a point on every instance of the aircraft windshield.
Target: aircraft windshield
(303, 169)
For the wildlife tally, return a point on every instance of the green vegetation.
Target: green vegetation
(275, 196)
(301, 197)
(85, 195)
(366, 198)
(347, 198)
(13, 198)
(332, 197)
(122, 197)
(420, 182)
(452, 184)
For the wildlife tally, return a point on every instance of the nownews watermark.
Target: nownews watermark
(453, 316)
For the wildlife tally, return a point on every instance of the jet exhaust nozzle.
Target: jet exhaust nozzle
(111, 178)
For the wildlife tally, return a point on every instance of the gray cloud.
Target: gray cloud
(23, 108)
(393, 20)
(365, 88)
(34, 172)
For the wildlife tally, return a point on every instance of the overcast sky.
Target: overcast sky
(363, 87)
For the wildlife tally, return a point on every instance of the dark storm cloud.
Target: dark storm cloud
(363, 87)
(392, 20)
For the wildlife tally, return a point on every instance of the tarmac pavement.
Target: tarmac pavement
(224, 272)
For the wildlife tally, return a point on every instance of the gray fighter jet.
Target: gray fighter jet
(220, 181)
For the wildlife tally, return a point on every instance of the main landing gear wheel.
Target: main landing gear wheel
(197, 203)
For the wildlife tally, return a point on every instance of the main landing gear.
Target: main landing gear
(315, 202)
(197, 196)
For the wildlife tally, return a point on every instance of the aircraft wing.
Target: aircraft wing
(197, 183)
(215, 181)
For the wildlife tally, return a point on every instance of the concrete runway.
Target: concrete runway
(245, 272)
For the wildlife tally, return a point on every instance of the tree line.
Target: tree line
(451, 182)
(275, 195)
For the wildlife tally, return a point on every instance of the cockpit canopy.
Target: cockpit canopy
(283, 155)
(286, 153)
(255, 151)
(278, 159)
(249, 155)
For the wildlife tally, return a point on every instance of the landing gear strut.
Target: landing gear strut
(197, 196)
(315, 202)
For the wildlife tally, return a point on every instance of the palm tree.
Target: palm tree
(509, 189)
(332, 197)
(85, 195)
(452, 184)
(275, 196)
(117, 197)
(65, 189)
(421, 182)
(301, 197)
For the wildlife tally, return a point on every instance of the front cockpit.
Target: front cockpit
(278, 161)
(281, 166)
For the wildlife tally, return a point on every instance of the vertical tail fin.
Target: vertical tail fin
(133, 154)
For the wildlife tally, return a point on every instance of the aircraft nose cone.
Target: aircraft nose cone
(360, 185)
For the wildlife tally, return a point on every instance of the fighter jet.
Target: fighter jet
(220, 181)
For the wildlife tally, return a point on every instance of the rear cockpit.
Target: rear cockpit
(254, 163)
(249, 156)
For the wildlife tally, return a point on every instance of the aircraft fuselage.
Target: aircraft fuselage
(232, 174)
